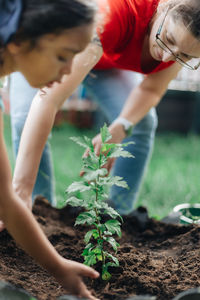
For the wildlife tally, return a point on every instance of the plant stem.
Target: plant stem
(97, 219)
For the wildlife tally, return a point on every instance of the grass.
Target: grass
(67, 157)
(172, 177)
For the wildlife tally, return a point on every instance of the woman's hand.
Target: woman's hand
(70, 274)
(118, 134)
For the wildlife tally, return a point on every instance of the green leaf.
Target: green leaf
(112, 242)
(115, 180)
(77, 186)
(98, 253)
(89, 246)
(86, 218)
(99, 257)
(80, 142)
(105, 134)
(110, 211)
(97, 250)
(101, 227)
(108, 146)
(116, 261)
(92, 175)
(88, 249)
(90, 260)
(128, 143)
(107, 232)
(106, 275)
(103, 161)
(112, 264)
(89, 234)
(121, 153)
(74, 201)
(113, 226)
(88, 141)
(91, 161)
(95, 234)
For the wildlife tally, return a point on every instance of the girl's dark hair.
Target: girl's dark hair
(41, 17)
(189, 13)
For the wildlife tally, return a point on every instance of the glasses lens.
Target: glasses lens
(182, 63)
(163, 46)
(192, 64)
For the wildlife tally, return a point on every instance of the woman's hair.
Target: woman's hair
(40, 17)
(187, 11)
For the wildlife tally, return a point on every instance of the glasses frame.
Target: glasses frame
(164, 47)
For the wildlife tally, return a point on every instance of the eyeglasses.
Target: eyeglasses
(162, 45)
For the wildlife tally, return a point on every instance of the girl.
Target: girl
(35, 35)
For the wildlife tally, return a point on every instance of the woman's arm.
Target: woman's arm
(41, 118)
(148, 93)
(142, 98)
(21, 224)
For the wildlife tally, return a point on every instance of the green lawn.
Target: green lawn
(172, 177)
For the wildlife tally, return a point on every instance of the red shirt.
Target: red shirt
(125, 26)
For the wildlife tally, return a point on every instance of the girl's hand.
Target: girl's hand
(70, 274)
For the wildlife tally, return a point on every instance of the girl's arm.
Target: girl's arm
(21, 224)
(41, 118)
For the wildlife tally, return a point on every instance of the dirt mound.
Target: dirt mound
(160, 259)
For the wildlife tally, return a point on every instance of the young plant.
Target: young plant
(93, 196)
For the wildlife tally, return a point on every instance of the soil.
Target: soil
(159, 259)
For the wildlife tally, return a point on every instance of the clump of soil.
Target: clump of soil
(160, 259)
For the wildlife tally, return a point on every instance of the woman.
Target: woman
(151, 37)
(34, 37)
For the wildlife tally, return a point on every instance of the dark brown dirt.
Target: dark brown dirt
(161, 260)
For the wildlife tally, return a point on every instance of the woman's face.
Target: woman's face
(176, 37)
(52, 57)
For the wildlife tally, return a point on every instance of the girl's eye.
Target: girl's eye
(62, 59)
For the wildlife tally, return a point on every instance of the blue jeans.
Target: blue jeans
(21, 96)
(110, 89)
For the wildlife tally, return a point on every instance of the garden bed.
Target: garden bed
(160, 259)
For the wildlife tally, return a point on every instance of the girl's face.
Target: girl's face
(177, 38)
(52, 57)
